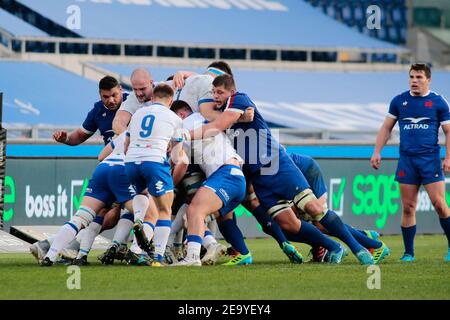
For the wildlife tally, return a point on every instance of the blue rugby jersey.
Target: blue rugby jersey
(101, 118)
(419, 119)
(253, 141)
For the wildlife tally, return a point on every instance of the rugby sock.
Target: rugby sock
(123, 228)
(336, 228)
(66, 234)
(269, 226)
(160, 238)
(194, 246)
(149, 230)
(309, 234)
(135, 247)
(140, 205)
(233, 235)
(408, 239)
(208, 239)
(360, 231)
(92, 231)
(364, 240)
(445, 224)
(80, 235)
(178, 241)
(212, 226)
(178, 222)
(52, 238)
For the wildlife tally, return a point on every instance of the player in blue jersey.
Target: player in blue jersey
(419, 113)
(100, 117)
(273, 174)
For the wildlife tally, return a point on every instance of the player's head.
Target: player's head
(419, 79)
(217, 68)
(181, 109)
(223, 88)
(163, 93)
(110, 92)
(142, 84)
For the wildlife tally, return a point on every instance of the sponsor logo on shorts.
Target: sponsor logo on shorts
(159, 186)
(224, 194)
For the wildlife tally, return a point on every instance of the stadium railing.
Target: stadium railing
(128, 48)
(289, 136)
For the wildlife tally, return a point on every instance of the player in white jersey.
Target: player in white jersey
(108, 184)
(150, 131)
(222, 191)
(142, 83)
(196, 89)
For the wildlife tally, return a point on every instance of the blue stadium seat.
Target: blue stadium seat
(311, 29)
(17, 26)
(27, 100)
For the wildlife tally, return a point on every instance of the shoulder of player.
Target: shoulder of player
(97, 108)
(239, 100)
(401, 98)
(131, 99)
(437, 96)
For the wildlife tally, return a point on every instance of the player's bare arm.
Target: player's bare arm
(446, 162)
(225, 121)
(121, 121)
(106, 151)
(180, 76)
(382, 138)
(74, 138)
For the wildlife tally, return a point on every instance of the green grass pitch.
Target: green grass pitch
(270, 277)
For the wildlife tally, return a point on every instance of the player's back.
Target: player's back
(252, 140)
(210, 153)
(151, 129)
(197, 90)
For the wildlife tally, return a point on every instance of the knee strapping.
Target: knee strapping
(83, 217)
(301, 199)
(250, 196)
(279, 207)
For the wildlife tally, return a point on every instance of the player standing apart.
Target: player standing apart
(419, 113)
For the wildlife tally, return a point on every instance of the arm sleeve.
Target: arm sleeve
(444, 112)
(89, 125)
(130, 105)
(393, 109)
(235, 104)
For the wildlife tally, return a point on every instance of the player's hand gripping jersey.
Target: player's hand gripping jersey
(209, 153)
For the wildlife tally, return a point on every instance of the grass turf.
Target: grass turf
(270, 277)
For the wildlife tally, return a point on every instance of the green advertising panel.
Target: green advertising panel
(49, 191)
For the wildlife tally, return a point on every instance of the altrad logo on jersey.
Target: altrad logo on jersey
(415, 123)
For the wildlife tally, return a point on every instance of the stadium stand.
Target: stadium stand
(303, 100)
(429, 34)
(293, 24)
(394, 21)
(41, 94)
(17, 27)
(296, 32)
(12, 26)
